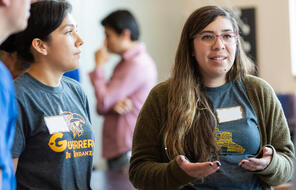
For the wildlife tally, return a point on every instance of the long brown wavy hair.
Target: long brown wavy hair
(191, 122)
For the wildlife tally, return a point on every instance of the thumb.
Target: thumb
(267, 151)
(184, 159)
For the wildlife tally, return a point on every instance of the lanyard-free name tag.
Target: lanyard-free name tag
(229, 114)
(56, 124)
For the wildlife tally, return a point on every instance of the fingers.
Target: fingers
(254, 164)
(123, 106)
(250, 164)
(128, 105)
(257, 164)
(118, 108)
(102, 55)
(199, 169)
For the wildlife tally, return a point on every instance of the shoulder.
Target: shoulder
(161, 89)
(142, 56)
(260, 92)
(21, 84)
(158, 96)
(4, 71)
(257, 84)
(155, 106)
(253, 80)
(70, 84)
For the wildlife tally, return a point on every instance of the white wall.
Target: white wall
(161, 23)
(273, 40)
(87, 14)
(292, 23)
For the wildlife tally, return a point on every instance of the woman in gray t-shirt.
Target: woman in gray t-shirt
(53, 147)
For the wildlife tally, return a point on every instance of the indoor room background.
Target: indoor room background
(161, 22)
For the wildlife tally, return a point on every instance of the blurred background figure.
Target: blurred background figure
(9, 57)
(120, 99)
(13, 18)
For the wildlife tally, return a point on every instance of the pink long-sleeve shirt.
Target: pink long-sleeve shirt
(133, 78)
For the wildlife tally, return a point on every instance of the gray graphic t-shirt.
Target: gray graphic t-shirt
(237, 136)
(59, 160)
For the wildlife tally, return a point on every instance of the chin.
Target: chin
(73, 67)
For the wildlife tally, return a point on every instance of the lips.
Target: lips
(78, 53)
(218, 58)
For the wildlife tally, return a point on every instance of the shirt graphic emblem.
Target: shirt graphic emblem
(75, 123)
(81, 147)
(224, 139)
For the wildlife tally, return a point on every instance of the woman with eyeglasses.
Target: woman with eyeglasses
(54, 141)
(211, 125)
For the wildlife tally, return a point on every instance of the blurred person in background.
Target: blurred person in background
(120, 99)
(10, 59)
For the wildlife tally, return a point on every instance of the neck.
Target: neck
(129, 46)
(216, 82)
(45, 75)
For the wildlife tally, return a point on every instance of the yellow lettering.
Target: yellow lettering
(74, 144)
(84, 153)
(80, 144)
(84, 144)
(68, 155)
(57, 146)
(70, 145)
(90, 143)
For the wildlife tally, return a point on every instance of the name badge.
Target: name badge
(229, 114)
(56, 124)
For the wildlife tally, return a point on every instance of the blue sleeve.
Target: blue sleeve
(73, 74)
(8, 115)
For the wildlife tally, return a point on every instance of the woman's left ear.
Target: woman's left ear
(39, 46)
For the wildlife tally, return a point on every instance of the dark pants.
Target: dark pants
(119, 162)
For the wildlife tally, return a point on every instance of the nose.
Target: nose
(218, 44)
(79, 41)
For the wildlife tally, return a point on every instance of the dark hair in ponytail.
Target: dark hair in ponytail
(8, 44)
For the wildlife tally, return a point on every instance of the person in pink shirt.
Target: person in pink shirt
(120, 99)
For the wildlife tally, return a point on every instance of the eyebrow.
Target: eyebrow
(69, 25)
(210, 31)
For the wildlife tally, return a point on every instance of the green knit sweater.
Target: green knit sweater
(151, 169)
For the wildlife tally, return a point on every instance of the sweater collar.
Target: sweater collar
(133, 51)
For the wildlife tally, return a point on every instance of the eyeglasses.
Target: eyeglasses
(207, 38)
